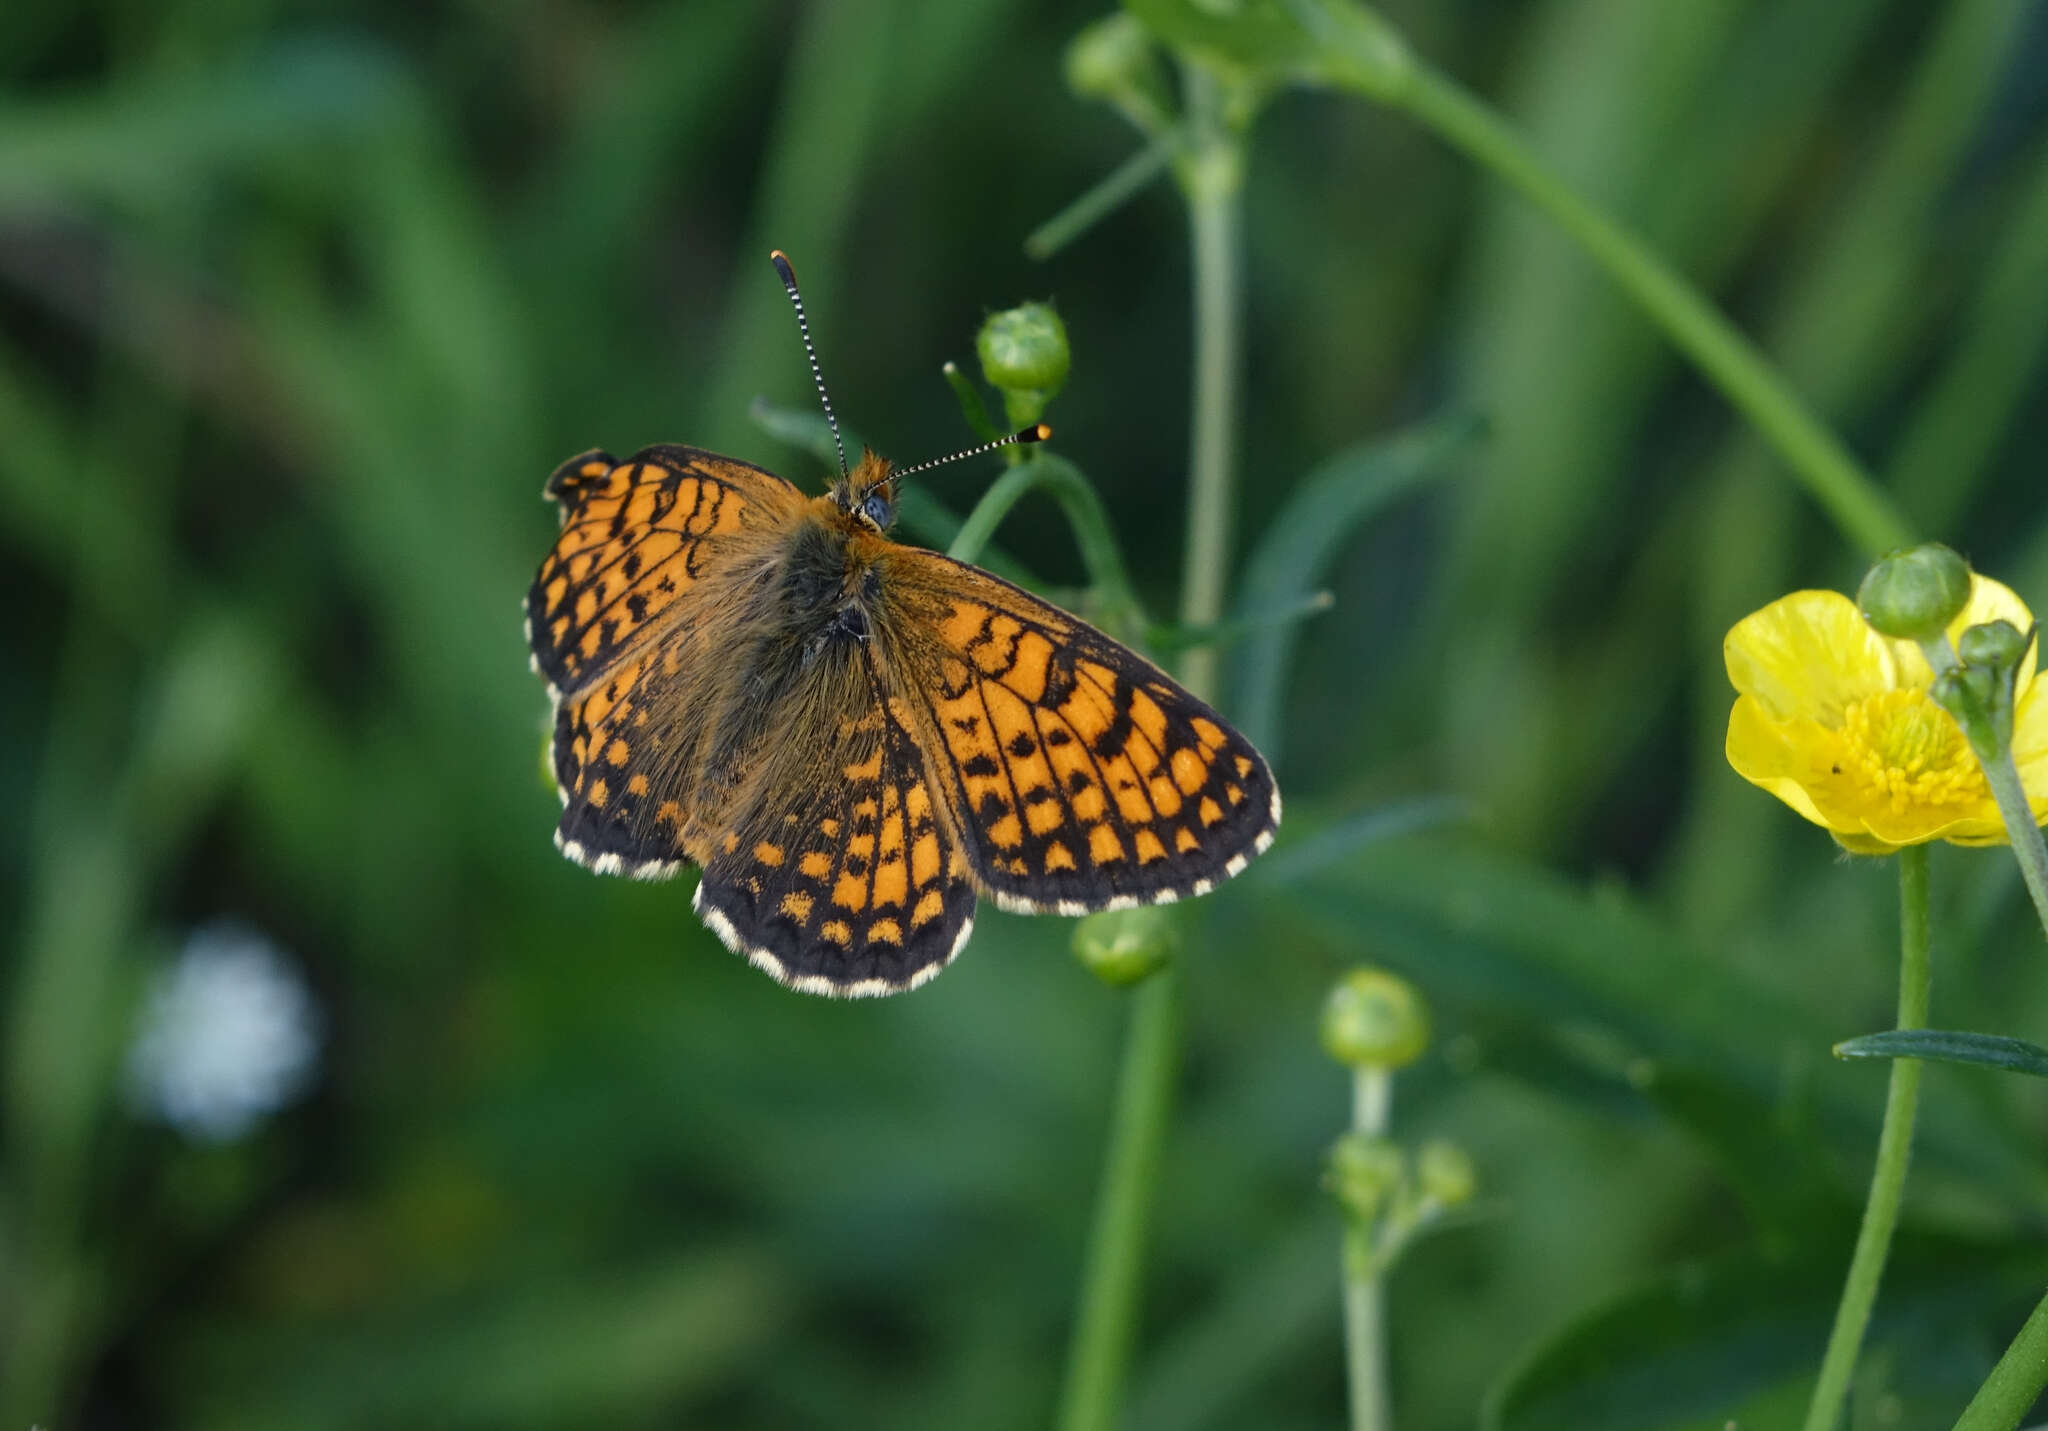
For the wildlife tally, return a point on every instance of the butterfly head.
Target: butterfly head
(868, 493)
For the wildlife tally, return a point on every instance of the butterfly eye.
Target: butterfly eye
(876, 509)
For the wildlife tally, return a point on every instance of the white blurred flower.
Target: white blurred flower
(228, 1033)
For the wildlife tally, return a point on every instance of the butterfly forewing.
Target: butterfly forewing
(637, 538)
(620, 619)
(1078, 776)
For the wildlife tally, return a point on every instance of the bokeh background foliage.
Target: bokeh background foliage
(299, 302)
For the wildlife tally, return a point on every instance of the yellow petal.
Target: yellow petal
(1779, 756)
(2030, 744)
(1976, 823)
(1808, 654)
(2030, 735)
(1863, 844)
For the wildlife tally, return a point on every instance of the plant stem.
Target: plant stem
(1993, 749)
(1365, 1334)
(2004, 778)
(1100, 556)
(1211, 174)
(1106, 1322)
(1367, 58)
(2015, 1383)
(1698, 329)
(1894, 1152)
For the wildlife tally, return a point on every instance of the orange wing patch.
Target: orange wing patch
(1080, 776)
(636, 537)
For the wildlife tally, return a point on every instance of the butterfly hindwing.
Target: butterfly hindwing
(614, 768)
(1079, 776)
(637, 538)
(841, 878)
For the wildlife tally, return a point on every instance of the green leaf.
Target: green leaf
(1778, 1169)
(663, 1333)
(1119, 613)
(1950, 1046)
(1300, 858)
(1165, 637)
(1696, 1343)
(802, 428)
(1293, 557)
(1253, 35)
(1494, 937)
(146, 142)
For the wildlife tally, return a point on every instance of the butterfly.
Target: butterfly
(854, 738)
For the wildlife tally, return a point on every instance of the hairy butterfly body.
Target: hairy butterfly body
(853, 737)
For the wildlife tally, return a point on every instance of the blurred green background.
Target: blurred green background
(301, 300)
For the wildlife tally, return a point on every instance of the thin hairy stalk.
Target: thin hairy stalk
(2015, 1383)
(1211, 175)
(1365, 1326)
(1894, 1152)
(2004, 778)
(1105, 1322)
(1119, 611)
(1817, 458)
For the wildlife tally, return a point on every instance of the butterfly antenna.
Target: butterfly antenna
(1037, 432)
(788, 274)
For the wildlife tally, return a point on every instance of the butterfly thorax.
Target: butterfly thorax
(829, 580)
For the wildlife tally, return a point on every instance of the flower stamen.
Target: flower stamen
(1906, 750)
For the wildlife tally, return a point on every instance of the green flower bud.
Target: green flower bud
(1445, 1173)
(1124, 946)
(1995, 646)
(1913, 593)
(1981, 701)
(1024, 355)
(1374, 1019)
(1364, 1173)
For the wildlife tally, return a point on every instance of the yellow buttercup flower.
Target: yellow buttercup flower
(1835, 720)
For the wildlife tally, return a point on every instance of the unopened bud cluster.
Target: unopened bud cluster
(1375, 1022)
(1978, 690)
(1915, 594)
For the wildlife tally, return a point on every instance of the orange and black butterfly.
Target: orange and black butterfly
(852, 737)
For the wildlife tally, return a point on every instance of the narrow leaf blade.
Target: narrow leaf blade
(2013, 1055)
